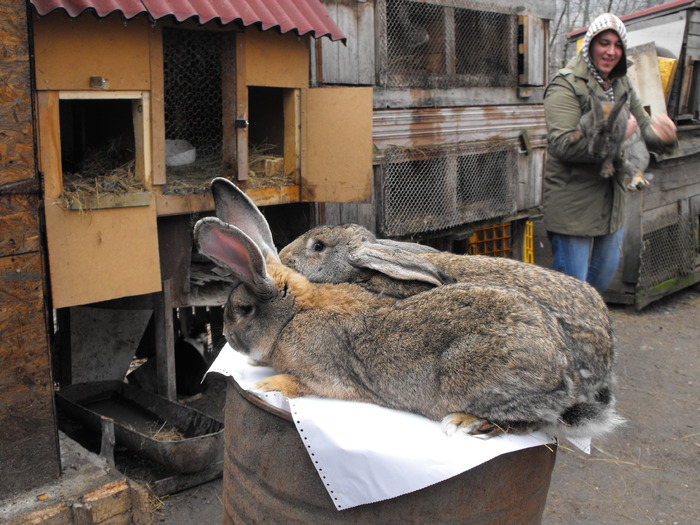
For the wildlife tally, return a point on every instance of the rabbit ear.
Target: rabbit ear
(396, 262)
(235, 207)
(229, 247)
(615, 111)
(412, 247)
(597, 107)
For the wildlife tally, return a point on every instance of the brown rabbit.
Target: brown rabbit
(481, 358)
(351, 253)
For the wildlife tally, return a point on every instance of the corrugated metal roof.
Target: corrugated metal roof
(302, 16)
(658, 10)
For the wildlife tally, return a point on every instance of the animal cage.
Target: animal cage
(436, 46)
(199, 82)
(668, 250)
(435, 188)
(192, 76)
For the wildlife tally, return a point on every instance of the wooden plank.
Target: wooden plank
(351, 63)
(534, 51)
(449, 45)
(99, 95)
(419, 127)
(228, 108)
(692, 45)
(165, 342)
(101, 254)
(141, 117)
(110, 500)
(175, 248)
(663, 216)
(334, 64)
(381, 52)
(661, 198)
(49, 143)
(454, 97)
(686, 86)
(29, 453)
(28, 442)
(645, 76)
(203, 202)
(632, 240)
(337, 160)
(292, 133)
(241, 108)
(19, 224)
(70, 51)
(273, 60)
(16, 138)
(157, 115)
(58, 514)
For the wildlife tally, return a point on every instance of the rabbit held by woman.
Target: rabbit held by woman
(480, 358)
(604, 127)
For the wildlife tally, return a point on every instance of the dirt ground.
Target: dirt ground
(647, 472)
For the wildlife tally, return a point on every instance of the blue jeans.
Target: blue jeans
(591, 259)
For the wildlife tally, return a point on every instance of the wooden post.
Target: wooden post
(108, 440)
(165, 342)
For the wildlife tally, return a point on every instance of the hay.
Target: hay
(106, 172)
(196, 177)
(98, 175)
(166, 432)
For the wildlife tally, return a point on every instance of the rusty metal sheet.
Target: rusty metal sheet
(302, 16)
(422, 127)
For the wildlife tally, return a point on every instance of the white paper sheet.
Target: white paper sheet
(367, 453)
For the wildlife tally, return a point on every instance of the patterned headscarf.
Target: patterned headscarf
(605, 22)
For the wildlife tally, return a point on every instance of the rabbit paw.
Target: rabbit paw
(286, 384)
(637, 183)
(608, 170)
(461, 422)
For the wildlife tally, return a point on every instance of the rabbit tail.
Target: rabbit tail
(591, 418)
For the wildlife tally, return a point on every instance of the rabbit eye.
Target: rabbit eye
(318, 246)
(244, 310)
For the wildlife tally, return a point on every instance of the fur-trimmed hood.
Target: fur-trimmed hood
(602, 23)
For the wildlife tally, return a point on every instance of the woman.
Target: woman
(584, 212)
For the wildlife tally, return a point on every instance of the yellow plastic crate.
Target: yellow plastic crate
(529, 243)
(491, 240)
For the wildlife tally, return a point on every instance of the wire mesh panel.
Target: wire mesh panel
(193, 72)
(435, 46)
(668, 251)
(432, 189)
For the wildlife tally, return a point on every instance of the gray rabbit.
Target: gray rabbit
(603, 127)
(481, 358)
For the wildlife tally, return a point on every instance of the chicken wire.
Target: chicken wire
(437, 46)
(668, 251)
(437, 188)
(193, 72)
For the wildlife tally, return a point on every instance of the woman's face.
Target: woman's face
(606, 51)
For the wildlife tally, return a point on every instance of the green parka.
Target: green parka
(577, 200)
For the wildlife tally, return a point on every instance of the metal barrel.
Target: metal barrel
(269, 479)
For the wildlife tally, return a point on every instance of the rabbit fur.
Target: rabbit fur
(351, 253)
(603, 127)
(481, 358)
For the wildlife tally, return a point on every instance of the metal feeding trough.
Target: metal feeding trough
(178, 437)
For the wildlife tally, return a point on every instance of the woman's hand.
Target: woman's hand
(664, 128)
